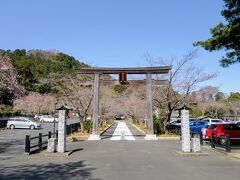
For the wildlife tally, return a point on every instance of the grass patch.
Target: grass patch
(167, 135)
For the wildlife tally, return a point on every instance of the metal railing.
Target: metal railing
(39, 143)
(227, 146)
(32, 146)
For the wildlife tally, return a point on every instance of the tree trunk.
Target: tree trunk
(166, 120)
(81, 123)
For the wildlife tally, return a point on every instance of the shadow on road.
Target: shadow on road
(5, 147)
(72, 170)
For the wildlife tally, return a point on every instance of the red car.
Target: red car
(207, 132)
(227, 129)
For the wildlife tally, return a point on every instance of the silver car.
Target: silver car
(22, 122)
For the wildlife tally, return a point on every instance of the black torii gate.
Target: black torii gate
(123, 80)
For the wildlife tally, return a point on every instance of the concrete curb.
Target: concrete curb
(107, 128)
(168, 138)
(231, 154)
(191, 153)
(136, 127)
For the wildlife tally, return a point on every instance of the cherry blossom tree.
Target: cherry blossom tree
(9, 77)
(75, 94)
(34, 103)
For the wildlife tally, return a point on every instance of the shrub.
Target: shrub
(157, 125)
(45, 112)
(120, 89)
(9, 112)
(88, 126)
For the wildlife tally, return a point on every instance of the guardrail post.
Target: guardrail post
(49, 134)
(40, 141)
(212, 141)
(192, 135)
(57, 134)
(71, 129)
(67, 128)
(27, 144)
(228, 143)
(74, 127)
(201, 137)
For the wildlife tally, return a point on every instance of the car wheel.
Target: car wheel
(222, 141)
(12, 126)
(32, 127)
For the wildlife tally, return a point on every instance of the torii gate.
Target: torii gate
(123, 80)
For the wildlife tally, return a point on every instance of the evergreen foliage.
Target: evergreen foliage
(226, 36)
(196, 112)
(35, 66)
(234, 97)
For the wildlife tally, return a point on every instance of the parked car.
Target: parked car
(48, 118)
(177, 122)
(237, 122)
(38, 116)
(196, 127)
(120, 117)
(213, 121)
(22, 122)
(222, 130)
(207, 131)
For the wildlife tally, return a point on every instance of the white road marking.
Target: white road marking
(122, 132)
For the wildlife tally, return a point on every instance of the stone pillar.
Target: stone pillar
(149, 135)
(196, 147)
(62, 131)
(52, 145)
(95, 133)
(185, 131)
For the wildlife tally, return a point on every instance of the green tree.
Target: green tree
(234, 96)
(221, 112)
(215, 112)
(220, 96)
(211, 111)
(35, 66)
(196, 112)
(226, 36)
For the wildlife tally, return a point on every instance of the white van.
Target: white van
(213, 121)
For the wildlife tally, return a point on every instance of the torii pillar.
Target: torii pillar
(150, 135)
(95, 133)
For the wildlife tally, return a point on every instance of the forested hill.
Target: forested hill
(35, 66)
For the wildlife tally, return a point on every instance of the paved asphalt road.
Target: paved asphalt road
(13, 141)
(121, 160)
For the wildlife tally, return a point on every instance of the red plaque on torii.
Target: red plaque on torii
(123, 78)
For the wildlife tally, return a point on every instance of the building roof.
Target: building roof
(183, 107)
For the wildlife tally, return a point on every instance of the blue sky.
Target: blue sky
(117, 33)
